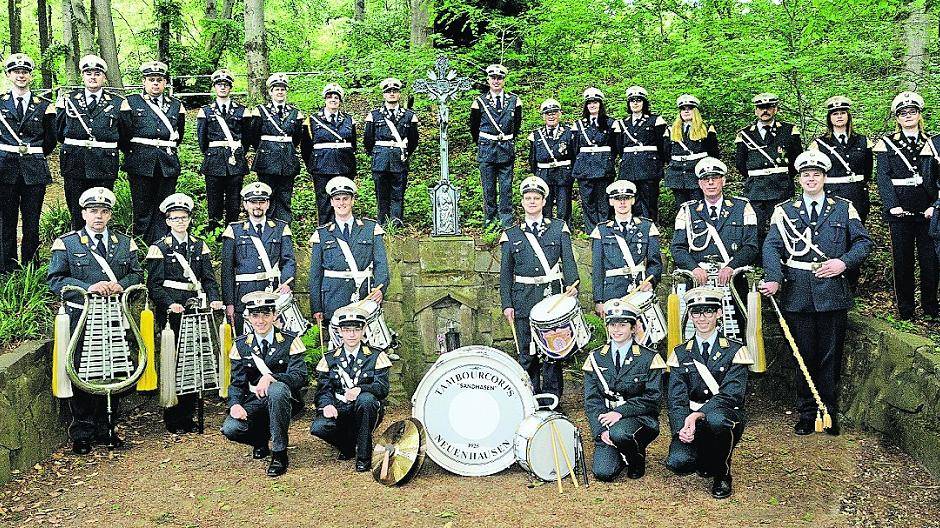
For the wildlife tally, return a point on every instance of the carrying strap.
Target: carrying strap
(486, 110)
(187, 270)
(358, 276)
(682, 144)
(709, 380)
(719, 243)
(835, 153)
(901, 155)
(342, 139)
(174, 135)
(626, 130)
(227, 132)
(547, 147)
(625, 249)
(805, 237)
(16, 137)
(262, 368)
(613, 398)
(751, 144)
(540, 254)
(105, 267)
(263, 255)
(583, 130)
(272, 120)
(78, 116)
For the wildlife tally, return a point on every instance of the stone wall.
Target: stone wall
(31, 426)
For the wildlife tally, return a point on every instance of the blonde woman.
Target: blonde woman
(687, 141)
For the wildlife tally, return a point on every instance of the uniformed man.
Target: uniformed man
(551, 149)
(622, 388)
(152, 127)
(268, 377)
(707, 386)
(537, 261)
(180, 274)
(907, 196)
(348, 260)
(687, 141)
(330, 147)
(27, 136)
(390, 137)
(625, 250)
(104, 263)
(257, 254)
(352, 385)
(277, 131)
(764, 155)
(495, 121)
(86, 121)
(641, 149)
(593, 167)
(813, 240)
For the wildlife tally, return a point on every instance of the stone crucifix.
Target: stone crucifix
(441, 86)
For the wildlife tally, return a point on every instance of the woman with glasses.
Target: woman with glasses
(688, 141)
(641, 150)
(593, 158)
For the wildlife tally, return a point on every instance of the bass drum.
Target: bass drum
(471, 402)
(534, 444)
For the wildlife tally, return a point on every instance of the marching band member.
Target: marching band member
(180, 270)
(688, 140)
(537, 261)
(348, 260)
(152, 128)
(85, 125)
(812, 241)
(268, 376)
(625, 250)
(641, 150)
(105, 263)
(257, 254)
(714, 228)
(390, 138)
(907, 196)
(622, 388)
(277, 131)
(352, 385)
(707, 385)
(594, 141)
(329, 147)
(550, 153)
(221, 132)
(495, 120)
(764, 155)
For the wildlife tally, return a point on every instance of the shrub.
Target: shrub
(25, 303)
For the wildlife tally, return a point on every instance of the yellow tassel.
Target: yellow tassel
(673, 323)
(61, 384)
(168, 367)
(148, 380)
(819, 422)
(225, 364)
(755, 333)
(827, 420)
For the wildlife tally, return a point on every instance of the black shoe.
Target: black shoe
(835, 430)
(260, 452)
(806, 426)
(346, 455)
(278, 464)
(702, 472)
(636, 466)
(363, 465)
(721, 487)
(81, 447)
(183, 428)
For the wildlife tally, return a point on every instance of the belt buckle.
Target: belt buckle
(500, 137)
(23, 149)
(231, 159)
(815, 266)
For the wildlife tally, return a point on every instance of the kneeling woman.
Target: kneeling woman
(622, 387)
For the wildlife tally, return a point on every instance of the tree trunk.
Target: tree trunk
(164, 11)
(70, 39)
(212, 9)
(16, 26)
(359, 9)
(419, 23)
(915, 34)
(256, 51)
(81, 26)
(217, 39)
(107, 42)
(42, 13)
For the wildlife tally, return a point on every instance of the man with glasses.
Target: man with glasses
(764, 156)
(179, 272)
(707, 386)
(495, 120)
(86, 121)
(813, 240)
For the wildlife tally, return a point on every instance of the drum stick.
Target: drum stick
(638, 286)
(515, 338)
(320, 333)
(368, 297)
(557, 467)
(568, 292)
(564, 453)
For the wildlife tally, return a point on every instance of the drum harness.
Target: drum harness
(913, 181)
(354, 273)
(341, 143)
(638, 145)
(106, 268)
(552, 273)
(555, 162)
(631, 269)
(611, 398)
(501, 136)
(169, 144)
(751, 144)
(229, 142)
(283, 138)
(72, 111)
(592, 146)
(193, 284)
(709, 380)
(710, 234)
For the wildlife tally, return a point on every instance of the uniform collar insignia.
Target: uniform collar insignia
(689, 344)
(728, 203)
(246, 225)
(700, 207)
(722, 342)
(168, 240)
(366, 351)
(114, 239)
(270, 223)
(636, 349)
(605, 350)
(547, 221)
(279, 337)
(250, 338)
(84, 240)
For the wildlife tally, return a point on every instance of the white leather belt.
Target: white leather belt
(851, 178)
(279, 139)
(544, 279)
(346, 274)
(90, 143)
(75, 306)
(768, 172)
(234, 145)
(496, 137)
(154, 142)
(20, 149)
(599, 148)
(640, 148)
(626, 270)
(913, 181)
(341, 144)
(178, 285)
(690, 157)
(553, 164)
(389, 143)
(261, 275)
(806, 266)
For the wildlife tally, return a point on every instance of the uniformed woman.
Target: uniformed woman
(641, 149)
(688, 141)
(330, 147)
(593, 157)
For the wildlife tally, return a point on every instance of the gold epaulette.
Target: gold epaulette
(658, 363)
(743, 357)
(382, 361)
(297, 347)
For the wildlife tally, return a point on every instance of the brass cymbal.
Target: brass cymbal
(398, 454)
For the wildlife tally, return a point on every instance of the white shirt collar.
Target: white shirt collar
(807, 200)
(500, 93)
(540, 219)
(89, 93)
(710, 340)
(347, 352)
(104, 234)
(343, 223)
(27, 96)
(614, 349)
(178, 239)
(269, 337)
(619, 220)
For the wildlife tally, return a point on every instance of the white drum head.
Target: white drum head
(538, 447)
(471, 403)
(543, 311)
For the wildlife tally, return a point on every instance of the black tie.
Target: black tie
(705, 347)
(280, 111)
(842, 139)
(535, 228)
(93, 103)
(265, 348)
(99, 245)
(617, 359)
(155, 100)
(333, 119)
(713, 212)
(182, 249)
(623, 226)
(225, 113)
(594, 122)
(20, 107)
(258, 229)
(814, 214)
(499, 102)
(346, 232)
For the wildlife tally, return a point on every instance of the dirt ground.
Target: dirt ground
(206, 481)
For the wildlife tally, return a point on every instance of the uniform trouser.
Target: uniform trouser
(282, 191)
(390, 195)
(351, 430)
(20, 198)
(268, 419)
(821, 339)
(223, 197)
(491, 175)
(180, 416)
(594, 203)
(647, 199)
(763, 209)
(684, 195)
(147, 192)
(545, 374)
(324, 209)
(90, 416)
(715, 438)
(630, 438)
(74, 187)
(559, 195)
(904, 237)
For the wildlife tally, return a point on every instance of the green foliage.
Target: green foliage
(313, 353)
(55, 221)
(25, 306)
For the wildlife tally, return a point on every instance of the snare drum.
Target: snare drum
(651, 316)
(558, 326)
(534, 444)
(290, 317)
(376, 334)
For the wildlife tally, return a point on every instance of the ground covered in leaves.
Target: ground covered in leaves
(206, 481)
